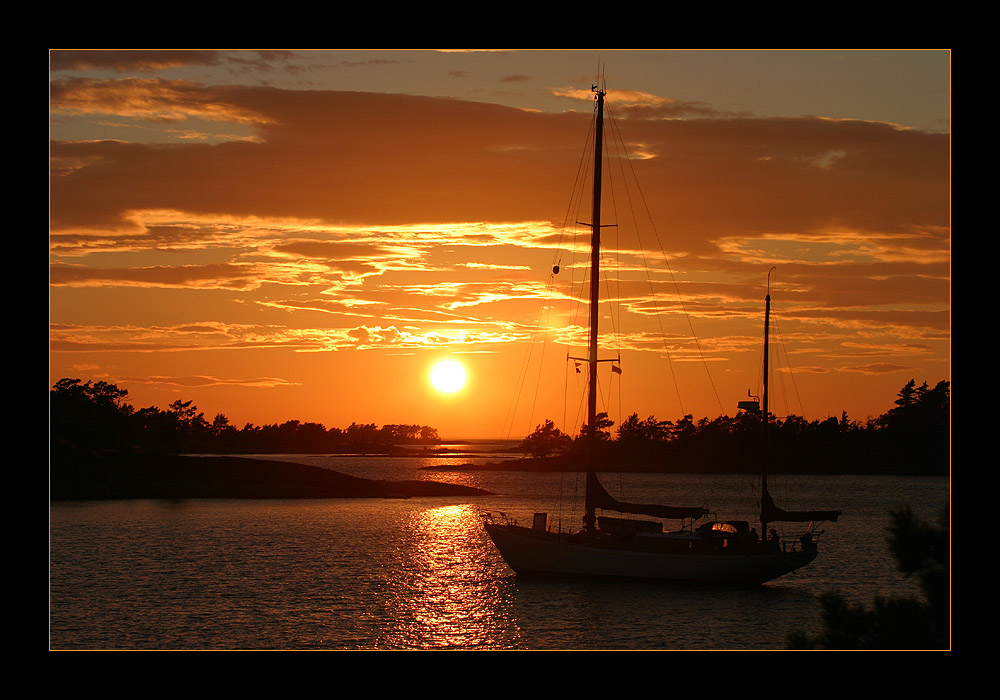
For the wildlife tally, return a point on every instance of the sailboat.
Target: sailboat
(726, 552)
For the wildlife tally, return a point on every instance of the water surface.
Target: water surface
(421, 573)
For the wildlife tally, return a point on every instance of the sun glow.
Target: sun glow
(448, 376)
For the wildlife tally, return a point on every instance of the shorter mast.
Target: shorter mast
(764, 495)
(769, 512)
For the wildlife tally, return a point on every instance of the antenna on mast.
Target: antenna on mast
(601, 83)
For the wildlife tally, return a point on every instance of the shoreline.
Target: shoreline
(563, 464)
(117, 477)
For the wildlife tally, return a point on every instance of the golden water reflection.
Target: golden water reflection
(448, 591)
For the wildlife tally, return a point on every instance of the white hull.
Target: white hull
(542, 553)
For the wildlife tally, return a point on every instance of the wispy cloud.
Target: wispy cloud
(154, 99)
(197, 381)
(149, 60)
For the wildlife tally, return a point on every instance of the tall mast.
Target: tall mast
(595, 277)
(595, 260)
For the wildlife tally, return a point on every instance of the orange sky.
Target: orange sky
(288, 236)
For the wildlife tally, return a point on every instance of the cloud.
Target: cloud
(878, 368)
(205, 381)
(487, 266)
(148, 61)
(217, 276)
(367, 337)
(638, 104)
(147, 98)
(369, 62)
(136, 60)
(393, 159)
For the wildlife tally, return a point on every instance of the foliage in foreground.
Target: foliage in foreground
(921, 549)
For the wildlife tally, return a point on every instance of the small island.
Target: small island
(102, 448)
(179, 477)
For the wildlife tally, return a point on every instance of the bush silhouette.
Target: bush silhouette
(921, 549)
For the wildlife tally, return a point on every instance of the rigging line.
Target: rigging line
(576, 195)
(620, 142)
(572, 298)
(581, 393)
(508, 428)
(620, 411)
(581, 411)
(605, 397)
(680, 299)
(518, 388)
(776, 391)
(575, 298)
(779, 346)
(605, 400)
(759, 388)
(614, 302)
(573, 315)
(575, 199)
(579, 199)
(565, 407)
(788, 363)
(541, 358)
(544, 307)
(562, 478)
(590, 226)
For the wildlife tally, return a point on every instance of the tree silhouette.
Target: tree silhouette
(547, 439)
(916, 434)
(90, 416)
(93, 419)
(635, 432)
(601, 428)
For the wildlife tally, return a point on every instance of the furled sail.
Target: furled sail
(598, 497)
(770, 513)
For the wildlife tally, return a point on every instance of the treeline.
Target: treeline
(95, 416)
(914, 437)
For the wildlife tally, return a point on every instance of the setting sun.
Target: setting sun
(448, 376)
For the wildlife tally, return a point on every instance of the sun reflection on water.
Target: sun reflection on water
(448, 592)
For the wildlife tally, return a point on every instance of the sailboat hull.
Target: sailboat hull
(532, 552)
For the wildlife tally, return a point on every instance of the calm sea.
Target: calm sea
(420, 573)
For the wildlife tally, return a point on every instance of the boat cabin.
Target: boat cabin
(624, 526)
